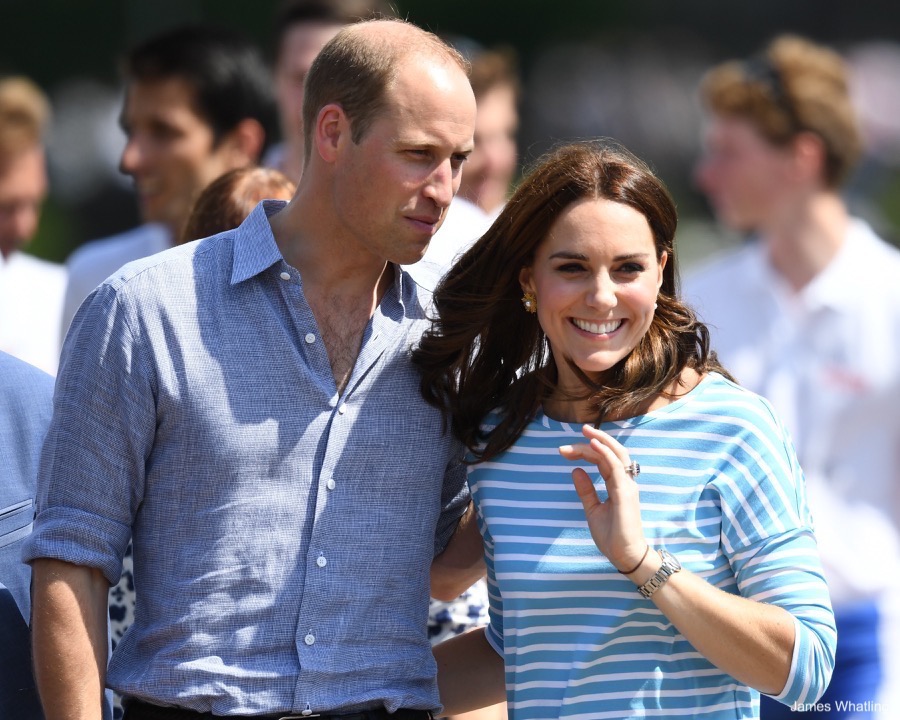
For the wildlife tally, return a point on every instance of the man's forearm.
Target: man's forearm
(69, 630)
(462, 563)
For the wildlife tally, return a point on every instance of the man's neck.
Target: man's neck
(342, 287)
(806, 239)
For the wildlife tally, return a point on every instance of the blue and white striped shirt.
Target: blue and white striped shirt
(283, 533)
(721, 489)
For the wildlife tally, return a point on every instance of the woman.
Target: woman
(562, 344)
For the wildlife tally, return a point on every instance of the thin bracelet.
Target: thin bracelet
(643, 557)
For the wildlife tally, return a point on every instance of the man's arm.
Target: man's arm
(69, 629)
(461, 563)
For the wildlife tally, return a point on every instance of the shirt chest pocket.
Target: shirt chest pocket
(16, 521)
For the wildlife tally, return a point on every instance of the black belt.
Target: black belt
(139, 710)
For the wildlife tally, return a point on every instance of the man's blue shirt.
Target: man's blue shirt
(283, 532)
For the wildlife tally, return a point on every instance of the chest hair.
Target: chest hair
(342, 321)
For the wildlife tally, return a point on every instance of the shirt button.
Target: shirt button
(342, 409)
(309, 639)
(310, 338)
(330, 483)
(285, 276)
(321, 561)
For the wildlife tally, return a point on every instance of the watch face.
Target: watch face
(670, 561)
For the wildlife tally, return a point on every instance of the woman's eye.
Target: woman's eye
(631, 268)
(570, 268)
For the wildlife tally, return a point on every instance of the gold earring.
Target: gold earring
(530, 302)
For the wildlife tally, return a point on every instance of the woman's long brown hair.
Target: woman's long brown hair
(485, 353)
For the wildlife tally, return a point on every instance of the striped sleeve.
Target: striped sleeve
(768, 535)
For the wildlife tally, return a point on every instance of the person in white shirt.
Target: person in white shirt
(807, 313)
(31, 289)
(198, 103)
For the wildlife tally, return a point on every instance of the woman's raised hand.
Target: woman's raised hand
(615, 524)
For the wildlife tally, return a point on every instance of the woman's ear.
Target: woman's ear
(663, 259)
(525, 280)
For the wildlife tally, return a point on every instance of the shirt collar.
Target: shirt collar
(255, 249)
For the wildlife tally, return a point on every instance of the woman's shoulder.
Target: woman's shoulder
(721, 401)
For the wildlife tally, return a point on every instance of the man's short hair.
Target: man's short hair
(794, 86)
(354, 70)
(230, 79)
(24, 115)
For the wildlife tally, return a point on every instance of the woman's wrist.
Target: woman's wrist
(647, 569)
(639, 563)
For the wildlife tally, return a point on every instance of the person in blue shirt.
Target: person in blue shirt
(685, 579)
(245, 407)
(26, 401)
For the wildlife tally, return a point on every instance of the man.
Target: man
(26, 400)
(302, 27)
(198, 102)
(245, 406)
(808, 315)
(31, 290)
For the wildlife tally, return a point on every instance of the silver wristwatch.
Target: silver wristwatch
(669, 567)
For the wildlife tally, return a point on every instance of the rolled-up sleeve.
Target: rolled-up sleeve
(94, 459)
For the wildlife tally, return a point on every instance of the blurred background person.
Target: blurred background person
(489, 173)
(808, 314)
(31, 289)
(26, 403)
(198, 102)
(228, 200)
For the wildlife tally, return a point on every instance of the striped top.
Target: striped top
(721, 489)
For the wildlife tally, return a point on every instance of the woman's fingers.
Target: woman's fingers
(592, 433)
(584, 486)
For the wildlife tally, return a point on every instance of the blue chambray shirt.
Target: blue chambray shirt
(283, 533)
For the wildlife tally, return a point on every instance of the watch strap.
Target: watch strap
(669, 567)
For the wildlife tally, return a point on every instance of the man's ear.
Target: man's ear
(244, 142)
(331, 127)
(809, 156)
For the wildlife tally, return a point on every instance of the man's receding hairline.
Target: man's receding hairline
(414, 40)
